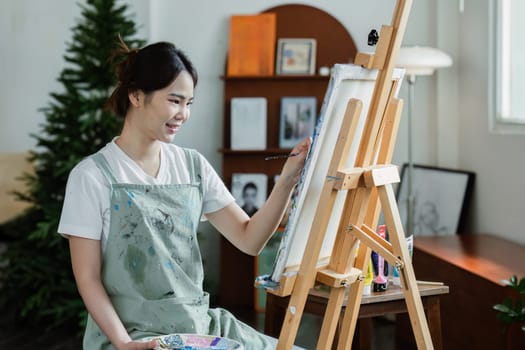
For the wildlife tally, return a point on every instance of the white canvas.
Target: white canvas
(347, 81)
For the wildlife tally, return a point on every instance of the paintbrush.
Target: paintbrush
(282, 156)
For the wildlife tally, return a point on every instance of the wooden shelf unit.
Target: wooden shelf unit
(334, 45)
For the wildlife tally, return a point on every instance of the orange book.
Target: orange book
(252, 45)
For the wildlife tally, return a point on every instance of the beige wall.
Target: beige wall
(12, 165)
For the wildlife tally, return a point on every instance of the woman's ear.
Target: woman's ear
(135, 98)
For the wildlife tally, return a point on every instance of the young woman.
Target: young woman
(131, 212)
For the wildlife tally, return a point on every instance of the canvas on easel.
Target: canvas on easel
(347, 81)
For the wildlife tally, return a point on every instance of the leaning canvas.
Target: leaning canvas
(347, 81)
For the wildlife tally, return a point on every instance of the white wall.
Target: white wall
(497, 159)
(33, 43)
(33, 36)
(451, 111)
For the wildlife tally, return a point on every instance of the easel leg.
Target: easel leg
(330, 323)
(354, 302)
(408, 278)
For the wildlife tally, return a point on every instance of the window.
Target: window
(508, 66)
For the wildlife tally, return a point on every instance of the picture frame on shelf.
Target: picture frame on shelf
(297, 120)
(441, 199)
(249, 190)
(296, 56)
(248, 123)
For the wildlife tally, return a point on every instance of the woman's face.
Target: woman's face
(249, 196)
(163, 112)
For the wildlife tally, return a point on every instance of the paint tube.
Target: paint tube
(410, 245)
(369, 277)
(380, 282)
(395, 277)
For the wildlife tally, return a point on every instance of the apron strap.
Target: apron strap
(103, 165)
(194, 167)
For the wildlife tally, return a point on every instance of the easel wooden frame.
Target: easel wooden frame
(366, 184)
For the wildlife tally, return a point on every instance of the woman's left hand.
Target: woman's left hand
(294, 164)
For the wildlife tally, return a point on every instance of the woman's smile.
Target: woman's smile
(173, 127)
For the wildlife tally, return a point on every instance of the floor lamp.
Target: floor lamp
(417, 60)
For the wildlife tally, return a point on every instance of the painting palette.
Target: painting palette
(196, 342)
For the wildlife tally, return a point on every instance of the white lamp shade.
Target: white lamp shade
(420, 60)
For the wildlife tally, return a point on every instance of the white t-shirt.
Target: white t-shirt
(85, 212)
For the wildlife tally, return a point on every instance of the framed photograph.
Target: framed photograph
(441, 199)
(249, 190)
(296, 56)
(297, 120)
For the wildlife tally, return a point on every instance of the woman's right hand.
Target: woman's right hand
(294, 165)
(137, 345)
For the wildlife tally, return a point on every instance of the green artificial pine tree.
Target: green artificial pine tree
(36, 280)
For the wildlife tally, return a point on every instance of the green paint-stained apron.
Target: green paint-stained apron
(152, 267)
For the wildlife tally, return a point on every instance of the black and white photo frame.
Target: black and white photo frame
(441, 199)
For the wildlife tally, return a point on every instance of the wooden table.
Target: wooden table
(473, 265)
(378, 304)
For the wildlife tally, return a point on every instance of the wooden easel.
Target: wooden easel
(369, 187)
